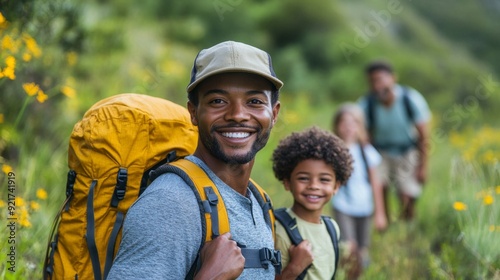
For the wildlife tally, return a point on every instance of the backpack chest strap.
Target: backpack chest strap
(261, 258)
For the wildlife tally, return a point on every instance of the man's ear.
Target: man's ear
(192, 111)
(276, 110)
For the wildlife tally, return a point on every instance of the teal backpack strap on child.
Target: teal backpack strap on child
(290, 225)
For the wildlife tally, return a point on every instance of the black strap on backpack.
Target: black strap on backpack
(290, 225)
(370, 111)
(48, 267)
(264, 202)
(118, 195)
(90, 233)
(335, 241)
(365, 161)
(179, 172)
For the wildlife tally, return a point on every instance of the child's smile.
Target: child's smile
(313, 198)
(312, 184)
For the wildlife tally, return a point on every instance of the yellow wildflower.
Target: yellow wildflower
(489, 157)
(72, 58)
(2, 203)
(492, 228)
(41, 97)
(488, 199)
(457, 140)
(31, 88)
(10, 61)
(1, 118)
(68, 91)
(459, 206)
(9, 72)
(6, 168)
(2, 19)
(41, 194)
(24, 218)
(25, 222)
(7, 43)
(32, 45)
(26, 57)
(497, 189)
(19, 201)
(34, 205)
(4, 25)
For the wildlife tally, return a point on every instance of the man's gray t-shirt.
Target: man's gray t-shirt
(162, 231)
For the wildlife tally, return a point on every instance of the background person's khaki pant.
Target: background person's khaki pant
(401, 170)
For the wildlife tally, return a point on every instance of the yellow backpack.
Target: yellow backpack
(112, 152)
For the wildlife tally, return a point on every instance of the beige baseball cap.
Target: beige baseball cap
(232, 56)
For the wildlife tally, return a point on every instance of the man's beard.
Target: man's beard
(214, 147)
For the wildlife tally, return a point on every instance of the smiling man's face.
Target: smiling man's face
(234, 116)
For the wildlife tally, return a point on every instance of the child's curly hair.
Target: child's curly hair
(312, 143)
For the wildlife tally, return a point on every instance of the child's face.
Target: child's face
(312, 184)
(348, 128)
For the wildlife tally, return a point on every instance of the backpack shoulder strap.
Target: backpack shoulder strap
(265, 203)
(407, 103)
(214, 218)
(370, 108)
(290, 225)
(370, 112)
(335, 241)
(214, 211)
(365, 161)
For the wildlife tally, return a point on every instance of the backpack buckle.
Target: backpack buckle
(211, 196)
(273, 256)
(120, 188)
(70, 183)
(121, 183)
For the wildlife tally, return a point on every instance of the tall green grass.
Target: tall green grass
(477, 186)
(41, 169)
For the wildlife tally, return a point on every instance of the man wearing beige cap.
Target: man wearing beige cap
(233, 99)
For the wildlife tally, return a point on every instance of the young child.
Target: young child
(354, 203)
(312, 165)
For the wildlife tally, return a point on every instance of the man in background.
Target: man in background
(398, 123)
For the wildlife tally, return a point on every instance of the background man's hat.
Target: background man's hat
(232, 56)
